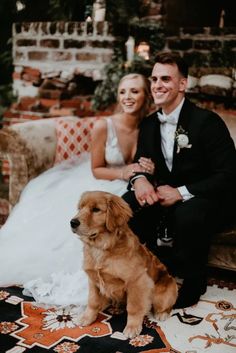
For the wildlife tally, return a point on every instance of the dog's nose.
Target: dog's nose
(74, 223)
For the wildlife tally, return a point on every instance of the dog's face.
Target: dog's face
(99, 215)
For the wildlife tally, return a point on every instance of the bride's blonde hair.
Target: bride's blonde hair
(146, 87)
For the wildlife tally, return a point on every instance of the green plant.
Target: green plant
(70, 10)
(150, 31)
(6, 98)
(223, 57)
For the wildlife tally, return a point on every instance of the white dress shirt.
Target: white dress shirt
(167, 129)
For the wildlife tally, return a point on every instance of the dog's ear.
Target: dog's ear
(118, 212)
(82, 198)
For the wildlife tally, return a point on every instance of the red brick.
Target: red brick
(86, 56)
(38, 55)
(106, 58)
(38, 107)
(49, 102)
(73, 43)
(32, 71)
(8, 114)
(25, 103)
(71, 103)
(29, 78)
(101, 44)
(16, 75)
(62, 111)
(109, 111)
(19, 55)
(61, 56)
(100, 27)
(50, 93)
(30, 116)
(50, 43)
(26, 42)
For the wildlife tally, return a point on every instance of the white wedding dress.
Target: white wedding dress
(37, 247)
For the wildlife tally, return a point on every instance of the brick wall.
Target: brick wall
(56, 66)
(199, 44)
(81, 47)
(211, 54)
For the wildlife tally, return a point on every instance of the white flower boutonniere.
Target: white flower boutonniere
(182, 139)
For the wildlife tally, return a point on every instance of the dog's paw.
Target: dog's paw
(86, 320)
(132, 331)
(161, 316)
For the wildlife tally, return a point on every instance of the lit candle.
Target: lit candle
(99, 11)
(130, 48)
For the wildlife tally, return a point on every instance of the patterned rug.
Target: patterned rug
(208, 327)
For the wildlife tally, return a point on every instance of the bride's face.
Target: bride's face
(131, 95)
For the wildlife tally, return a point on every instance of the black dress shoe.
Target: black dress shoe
(164, 233)
(190, 292)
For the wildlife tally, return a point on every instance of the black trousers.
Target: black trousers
(192, 224)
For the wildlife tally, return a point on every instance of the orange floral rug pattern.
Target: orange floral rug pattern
(27, 327)
(209, 327)
(46, 328)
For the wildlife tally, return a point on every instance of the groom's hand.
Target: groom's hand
(144, 191)
(168, 195)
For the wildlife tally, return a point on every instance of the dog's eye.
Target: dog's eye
(95, 209)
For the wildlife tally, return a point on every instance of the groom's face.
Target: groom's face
(167, 86)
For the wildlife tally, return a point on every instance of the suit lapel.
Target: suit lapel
(161, 164)
(154, 139)
(183, 123)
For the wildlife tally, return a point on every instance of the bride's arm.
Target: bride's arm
(98, 164)
(98, 145)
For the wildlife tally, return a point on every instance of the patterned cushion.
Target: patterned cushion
(73, 137)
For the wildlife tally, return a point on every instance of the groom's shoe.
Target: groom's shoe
(190, 292)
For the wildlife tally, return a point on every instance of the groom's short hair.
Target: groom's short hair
(173, 58)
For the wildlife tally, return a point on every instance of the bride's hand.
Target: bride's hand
(147, 165)
(129, 170)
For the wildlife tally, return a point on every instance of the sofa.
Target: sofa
(27, 149)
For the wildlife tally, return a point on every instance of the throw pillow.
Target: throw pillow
(73, 137)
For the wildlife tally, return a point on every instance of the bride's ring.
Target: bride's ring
(143, 202)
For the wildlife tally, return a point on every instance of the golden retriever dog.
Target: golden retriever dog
(120, 269)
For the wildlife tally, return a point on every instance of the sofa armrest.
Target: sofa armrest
(30, 149)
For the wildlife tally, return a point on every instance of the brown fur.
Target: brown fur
(119, 267)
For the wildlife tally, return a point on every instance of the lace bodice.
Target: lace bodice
(113, 154)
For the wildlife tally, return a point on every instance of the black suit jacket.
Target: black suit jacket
(208, 168)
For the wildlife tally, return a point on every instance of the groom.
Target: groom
(190, 195)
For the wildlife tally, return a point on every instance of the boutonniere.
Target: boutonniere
(181, 137)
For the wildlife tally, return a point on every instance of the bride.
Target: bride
(37, 247)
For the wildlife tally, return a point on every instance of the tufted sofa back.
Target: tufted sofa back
(27, 149)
